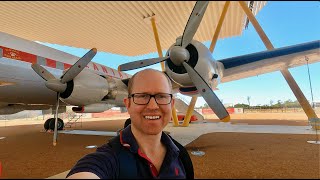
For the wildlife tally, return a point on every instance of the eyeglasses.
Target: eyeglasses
(143, 98)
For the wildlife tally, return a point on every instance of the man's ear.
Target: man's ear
(126, 102)
(172, 102)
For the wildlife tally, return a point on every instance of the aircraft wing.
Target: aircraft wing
(24, 45)
(240, 67)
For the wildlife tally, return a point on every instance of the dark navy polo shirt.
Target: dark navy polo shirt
(105, 164)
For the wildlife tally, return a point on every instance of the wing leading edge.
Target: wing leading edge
(240, 67)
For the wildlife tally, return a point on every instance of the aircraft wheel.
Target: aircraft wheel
(46, 124)
(60, 124)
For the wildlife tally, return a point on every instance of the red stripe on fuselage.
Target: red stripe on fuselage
(31, 58)
(104, 69)
(95, 67)
(18, 55)
(66, 66)
(51, 63)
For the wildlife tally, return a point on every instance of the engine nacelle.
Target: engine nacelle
(117, 92)
(92, 108)
(86, 88)
(201, 60)
(12, 109)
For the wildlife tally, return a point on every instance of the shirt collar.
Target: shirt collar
(128, 140)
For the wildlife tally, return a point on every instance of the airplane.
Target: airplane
(28, 80)
(39, 76)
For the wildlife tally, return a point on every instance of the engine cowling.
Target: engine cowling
(15, 108)
(92, 108)
(202, 61)
(117, 92)
(86, 88)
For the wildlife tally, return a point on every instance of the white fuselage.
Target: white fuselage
(19, 84)
(27, 87)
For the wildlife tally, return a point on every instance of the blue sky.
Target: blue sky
(285, 23)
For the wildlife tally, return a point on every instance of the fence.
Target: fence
(275, 110)
(259, 110)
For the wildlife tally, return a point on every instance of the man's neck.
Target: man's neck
(151, 146)
(147, 143)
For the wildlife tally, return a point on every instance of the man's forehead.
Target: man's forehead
(153, 78)
(149, 72)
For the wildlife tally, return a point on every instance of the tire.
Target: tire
(46, 124)
(60, 124)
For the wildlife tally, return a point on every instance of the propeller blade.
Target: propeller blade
(207, 93)
(74, 70)
(55, 134)
(56, 85)
(193, 22)
(42, 72)
(140, 63)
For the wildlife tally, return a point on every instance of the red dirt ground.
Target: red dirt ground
(28, 153)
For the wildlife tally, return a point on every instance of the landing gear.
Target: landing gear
(46, 124)
(49, 124)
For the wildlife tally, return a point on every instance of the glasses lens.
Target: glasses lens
(141, 98)
(163, 98)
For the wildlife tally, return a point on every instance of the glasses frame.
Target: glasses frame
(150, 96)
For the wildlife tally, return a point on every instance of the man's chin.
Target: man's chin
(153, 132)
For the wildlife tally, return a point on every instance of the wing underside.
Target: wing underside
(269, 61)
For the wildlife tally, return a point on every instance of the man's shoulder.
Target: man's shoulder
(104, 148)
(104, 151)
(100, 163)
(179, 146)
(113, 143)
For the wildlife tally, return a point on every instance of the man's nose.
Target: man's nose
(152, 104)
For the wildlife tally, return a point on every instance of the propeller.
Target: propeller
(60, 85)
(177, 54)
(180, 56)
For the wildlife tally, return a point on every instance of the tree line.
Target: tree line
(279, 104)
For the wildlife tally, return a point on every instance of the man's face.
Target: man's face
(149, 82)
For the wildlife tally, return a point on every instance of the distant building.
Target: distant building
(226, 105)
(315, 104)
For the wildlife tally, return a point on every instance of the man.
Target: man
(141, 150)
